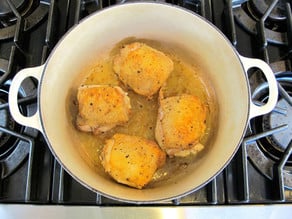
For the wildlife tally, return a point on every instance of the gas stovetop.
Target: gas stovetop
(260, 172)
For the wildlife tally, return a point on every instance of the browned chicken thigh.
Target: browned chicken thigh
(131, 160)
(142, 68)
(180, 125)
(101, 107)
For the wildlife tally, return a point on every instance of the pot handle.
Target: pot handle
(256, 110)
(31, 121)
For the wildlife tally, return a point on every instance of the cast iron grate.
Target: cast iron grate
(45, 181)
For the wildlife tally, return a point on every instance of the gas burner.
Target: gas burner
(7, 14)
(274, 129)
(32, 11)
(249, 14)
(279, 141)
(14, 146)
(258, 9)
(5, 121)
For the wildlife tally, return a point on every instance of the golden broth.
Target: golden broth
(185, 78)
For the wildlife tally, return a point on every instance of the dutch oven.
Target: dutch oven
(99, 32)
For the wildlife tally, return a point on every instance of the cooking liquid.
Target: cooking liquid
(185, 78)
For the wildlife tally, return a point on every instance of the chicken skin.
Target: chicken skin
(180, 125)
(142, 68)
(101, 108)
(131, 160)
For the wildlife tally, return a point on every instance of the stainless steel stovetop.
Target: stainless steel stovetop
(260, 175)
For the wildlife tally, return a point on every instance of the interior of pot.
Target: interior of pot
(96, 36)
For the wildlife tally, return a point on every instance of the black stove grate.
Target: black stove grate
(40, 179)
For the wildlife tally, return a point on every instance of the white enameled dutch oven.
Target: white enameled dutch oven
(157, 21)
